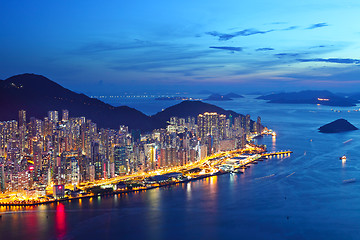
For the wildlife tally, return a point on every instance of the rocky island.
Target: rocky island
(340, 125)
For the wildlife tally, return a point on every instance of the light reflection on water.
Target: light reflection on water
(60, 221)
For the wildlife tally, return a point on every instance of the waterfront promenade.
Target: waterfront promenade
(206, 167)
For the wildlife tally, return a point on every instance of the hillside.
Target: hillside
(190, 108)
(37, 95)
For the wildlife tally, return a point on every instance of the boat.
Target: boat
(343, 158)
(351, 180)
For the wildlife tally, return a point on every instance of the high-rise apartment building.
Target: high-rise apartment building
(65, 115)
(211, 124)
(53, 116)
(22, 118)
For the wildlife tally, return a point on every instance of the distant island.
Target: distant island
(340, 125)
(227, 97)
(310, 97)
(176, 99)
(234, 95)
(218, 97)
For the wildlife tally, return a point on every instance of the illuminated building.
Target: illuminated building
(222, 127)
(65, 115)
(2, 176)
(150, 149)
(74, 150)
(22, 118)
(53, 116)
(75, 171)
(247, 124)
(211, 124)
(96, 160)
(59, 191)
(259, 127)
(120, 158)
(23, 178)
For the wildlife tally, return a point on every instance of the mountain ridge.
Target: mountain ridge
(37, 95)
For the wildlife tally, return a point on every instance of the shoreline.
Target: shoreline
(140, 189)
(114, 192)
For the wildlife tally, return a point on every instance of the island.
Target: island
(234, 95)
(176, 98)
(310, 97)
(218, 97)
(339, 125)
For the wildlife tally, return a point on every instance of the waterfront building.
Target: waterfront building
(59, 191)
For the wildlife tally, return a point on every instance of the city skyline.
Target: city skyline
(64, 151)
(109, 47)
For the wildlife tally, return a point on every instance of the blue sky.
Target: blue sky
(116, 46)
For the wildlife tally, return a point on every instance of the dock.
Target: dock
(276, 153)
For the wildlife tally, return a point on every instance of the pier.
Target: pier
(276, 153)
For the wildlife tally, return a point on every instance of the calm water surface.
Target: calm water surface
(298, 197)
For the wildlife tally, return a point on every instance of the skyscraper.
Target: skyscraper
(65, 115)
(53, 116)
(258, 125)
(211, 124)
(22, 118)
(120, 160)
(2, 177)
(247, 124)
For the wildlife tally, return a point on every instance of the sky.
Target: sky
(116, 46)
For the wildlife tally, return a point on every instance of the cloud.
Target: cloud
(332, 60)
(243, 33)
(106, 46)
(280, 55)
(278, 23)
(319, 46)
(232, 49)
(253, 31)
(290, 28)
(163, 61)
(265, 49)
(317, 25)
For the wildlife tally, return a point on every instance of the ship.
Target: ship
(343, 158)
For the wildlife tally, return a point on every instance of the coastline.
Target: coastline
(140, 189)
